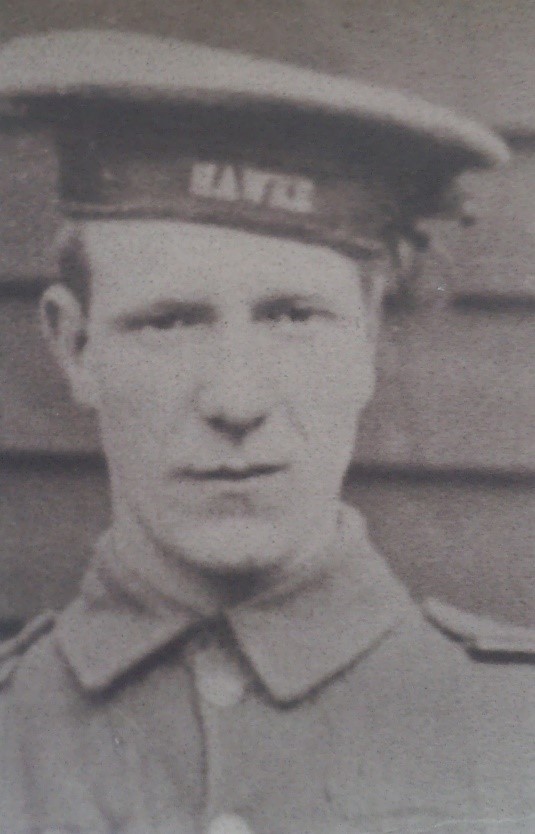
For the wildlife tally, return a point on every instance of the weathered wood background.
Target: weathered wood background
(445, 463)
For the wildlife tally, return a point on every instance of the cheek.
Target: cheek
(330, 381)
(139, 394)
(327, 396)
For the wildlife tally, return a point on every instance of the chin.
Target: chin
(233, 545)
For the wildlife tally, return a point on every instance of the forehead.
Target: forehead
(140, 259)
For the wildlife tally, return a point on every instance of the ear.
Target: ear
(63, 323)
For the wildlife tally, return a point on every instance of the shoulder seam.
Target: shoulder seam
(478, 632)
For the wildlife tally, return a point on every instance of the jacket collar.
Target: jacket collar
(294, 640)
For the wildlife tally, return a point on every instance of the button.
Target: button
(229, 824)
(219, 677)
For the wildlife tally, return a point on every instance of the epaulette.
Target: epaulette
(12, 650)
(481, 634)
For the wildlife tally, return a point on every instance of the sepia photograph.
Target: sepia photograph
(267, 417)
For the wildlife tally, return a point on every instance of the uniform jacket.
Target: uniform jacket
(335, 708)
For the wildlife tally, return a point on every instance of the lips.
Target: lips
(231, 473)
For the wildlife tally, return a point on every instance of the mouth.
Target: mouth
(234, 474)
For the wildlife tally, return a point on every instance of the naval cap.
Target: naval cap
(151, 126)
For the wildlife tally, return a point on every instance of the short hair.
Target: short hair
(74, 268)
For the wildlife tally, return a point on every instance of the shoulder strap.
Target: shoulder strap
(12, 650)
(480, 633)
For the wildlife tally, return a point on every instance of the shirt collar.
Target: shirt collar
(294, 640)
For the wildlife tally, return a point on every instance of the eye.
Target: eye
(301, 314)
(293, 311)
(168, 317)
(165, 321)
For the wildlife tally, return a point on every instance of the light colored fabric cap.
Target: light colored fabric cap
(132, 66)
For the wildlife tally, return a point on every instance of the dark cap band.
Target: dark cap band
(273, 171)
(308, 206)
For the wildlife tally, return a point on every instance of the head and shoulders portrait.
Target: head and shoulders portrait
(239, 657)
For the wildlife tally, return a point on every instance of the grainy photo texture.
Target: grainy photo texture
(267, 301)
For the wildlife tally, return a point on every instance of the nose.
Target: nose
(234, 398)
(235, 430)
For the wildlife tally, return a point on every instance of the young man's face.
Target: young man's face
(228, 370)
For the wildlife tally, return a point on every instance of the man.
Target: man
(239, 659)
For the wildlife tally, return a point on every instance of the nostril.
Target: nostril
(235, 429)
